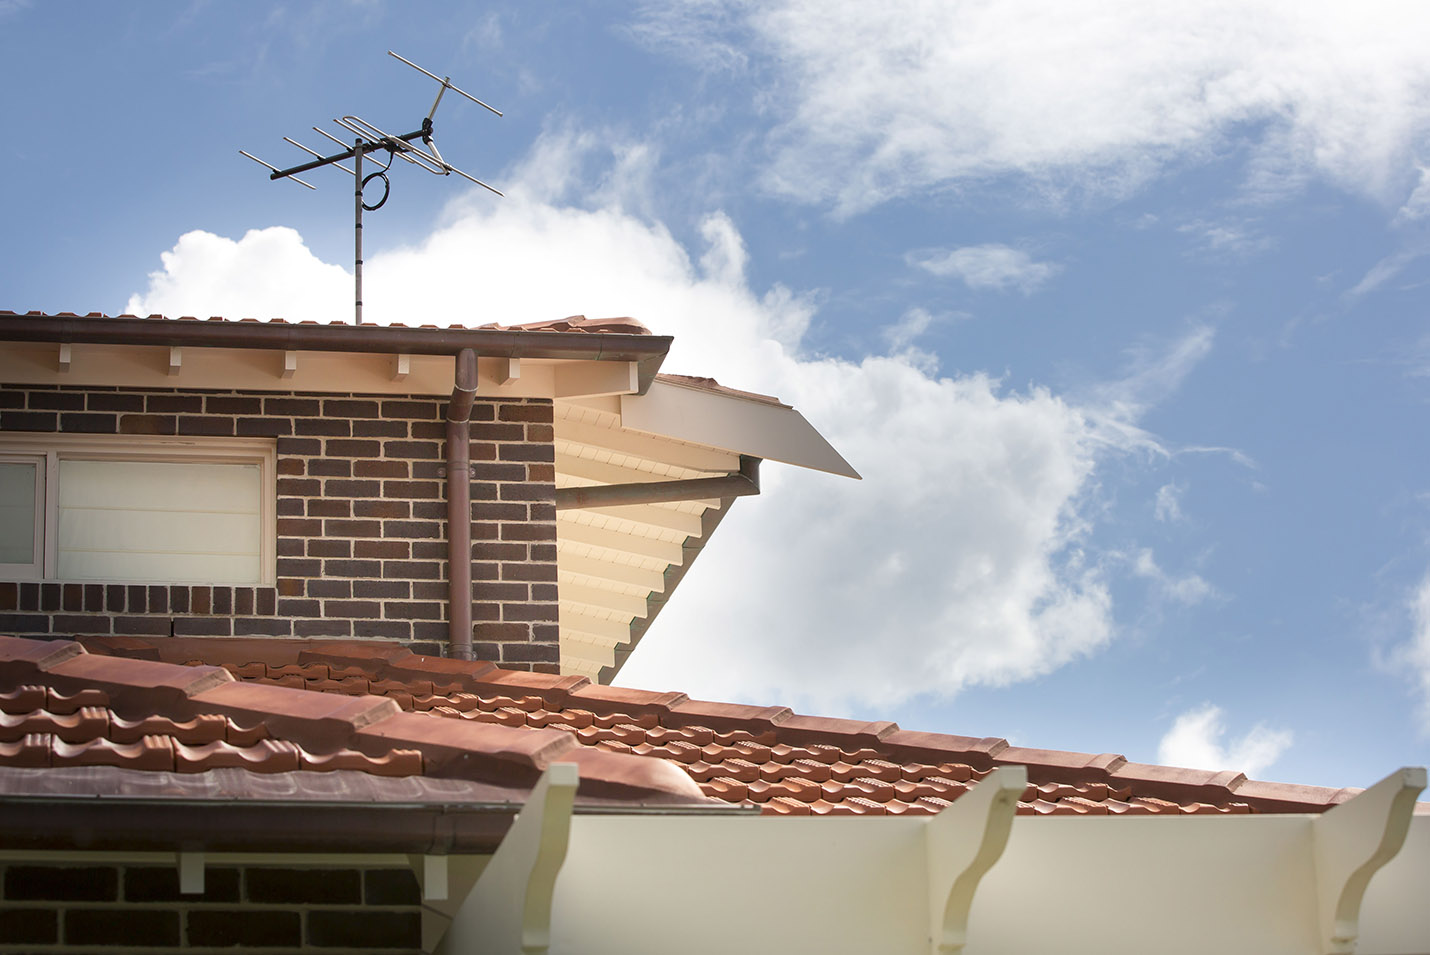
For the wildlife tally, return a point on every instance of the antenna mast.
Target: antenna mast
(367, 138)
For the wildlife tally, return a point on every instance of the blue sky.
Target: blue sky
(1119, 310)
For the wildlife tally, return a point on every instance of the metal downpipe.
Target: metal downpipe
(459, 507)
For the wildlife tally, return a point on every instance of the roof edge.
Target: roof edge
(647, 351)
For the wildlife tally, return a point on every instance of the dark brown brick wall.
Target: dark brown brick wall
(361, 515)
(130, 907)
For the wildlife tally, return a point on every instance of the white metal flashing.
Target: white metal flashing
(719, 419)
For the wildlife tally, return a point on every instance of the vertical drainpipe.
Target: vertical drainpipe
(459, 507)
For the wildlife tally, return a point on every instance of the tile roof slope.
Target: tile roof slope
(574, 323)
(766, 757)
(62, 706)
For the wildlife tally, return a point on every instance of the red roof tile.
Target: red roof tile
(61, 706)
(575, 323)
(764, 757)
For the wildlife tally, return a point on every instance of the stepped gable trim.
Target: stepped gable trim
(458, 749)
(605, 700)
(325, 723)
(21, 658)
(320, 722)
(673, 711)
(724, 717)
(818, 729)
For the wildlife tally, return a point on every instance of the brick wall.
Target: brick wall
(243, 908)
(361, 521)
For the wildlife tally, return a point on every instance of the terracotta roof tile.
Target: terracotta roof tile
(575, 323)
(61, 706)
(766, 757)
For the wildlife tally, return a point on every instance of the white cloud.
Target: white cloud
(876, 101)
(1414, 656)
(269, 273)
(1384, 270)
(1168, 506)
(958, 560)
(1195, 741)
(1188, 589)
(990, 266)
(1417, 204)
(1154, 374)
(1234, 239)
(911, 326)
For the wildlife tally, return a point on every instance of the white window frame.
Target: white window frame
(52, 448)
(35, 568)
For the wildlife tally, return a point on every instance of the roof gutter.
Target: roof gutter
(647, 351)
(133, 824)
(743, 483)
(145, 824)
(459, 506)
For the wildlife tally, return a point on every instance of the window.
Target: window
(152, 510)
(22, 513)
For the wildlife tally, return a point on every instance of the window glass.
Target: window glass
(180, 522)
(18, 511)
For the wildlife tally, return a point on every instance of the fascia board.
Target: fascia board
(259, 370)
(764, 429)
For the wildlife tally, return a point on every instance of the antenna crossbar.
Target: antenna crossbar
(364, 147)
(417, 147)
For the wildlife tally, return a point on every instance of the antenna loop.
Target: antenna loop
(386, 188)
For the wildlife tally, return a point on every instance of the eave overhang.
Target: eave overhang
(619, 563)
(285, 356)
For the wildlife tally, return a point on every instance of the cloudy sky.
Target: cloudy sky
(1118, 307)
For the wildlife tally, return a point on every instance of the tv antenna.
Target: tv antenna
(368, 138)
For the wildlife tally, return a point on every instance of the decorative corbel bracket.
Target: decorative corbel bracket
(1351, 842)
(191, 873)
(509, 909)
(962, 843)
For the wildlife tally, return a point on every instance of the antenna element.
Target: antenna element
(368, 138)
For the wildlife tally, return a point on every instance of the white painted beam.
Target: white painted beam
(962, 843)
(510, 371)
(578, 654)
(176, 360)
(191, 873)
(290, 365)
(594, 379)
(509, 909)
(665, 551)
(585, 470)
(640, 519)
(616, 601)
(401, 367)
(617, 441)
(434, 878)
(636, 579)
(602, 630)
(65, 358)
(1352, 842)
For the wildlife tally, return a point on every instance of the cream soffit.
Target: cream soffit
(618, 565)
